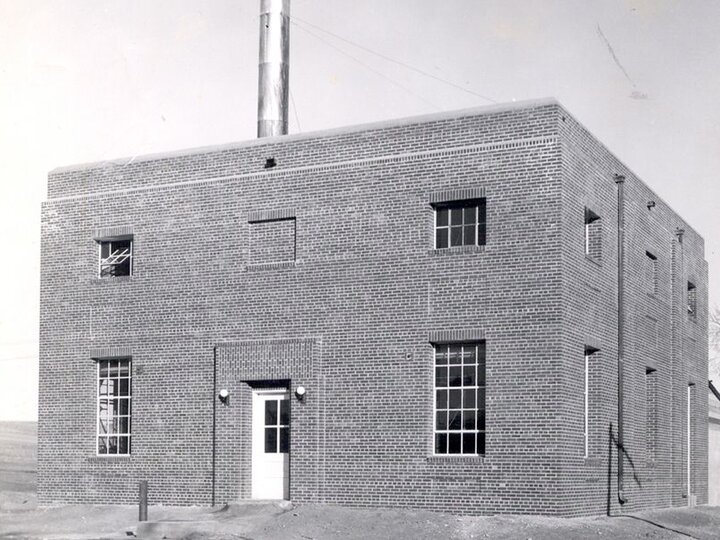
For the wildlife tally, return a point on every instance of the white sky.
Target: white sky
(87, 80)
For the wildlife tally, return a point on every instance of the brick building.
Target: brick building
(444, 289)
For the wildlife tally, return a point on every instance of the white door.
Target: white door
(271, 444)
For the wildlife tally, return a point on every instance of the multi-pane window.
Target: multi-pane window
(114, 406)
(691, 300)
(277, 426)
(460, 398)
(116, 257)
(593, 235)
(460, 224)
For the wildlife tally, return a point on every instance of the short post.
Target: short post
(143, 500)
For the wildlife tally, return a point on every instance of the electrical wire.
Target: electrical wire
(378, 73)
(393, 60)
(19, 358)
(297, 118)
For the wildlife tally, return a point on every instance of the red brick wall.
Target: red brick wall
(353, 318)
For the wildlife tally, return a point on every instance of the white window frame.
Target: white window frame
(471, 203)
(462, 387)
(116, 398)
(114, 258)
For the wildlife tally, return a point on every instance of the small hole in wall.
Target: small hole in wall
(270, 163)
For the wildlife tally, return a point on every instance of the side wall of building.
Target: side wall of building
(665, 347)
(350, 312)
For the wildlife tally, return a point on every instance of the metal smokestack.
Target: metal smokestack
(274, 68)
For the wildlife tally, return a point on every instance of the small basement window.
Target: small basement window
(593, 235)
(116, 257)
(460, 224)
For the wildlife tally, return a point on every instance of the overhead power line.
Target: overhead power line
(31, 357)
(393, 60)
(378, 73)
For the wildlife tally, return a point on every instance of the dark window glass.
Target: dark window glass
(469, 398)
(442, 238)
(469, 375)
(454, 443)
(271, 412)
(455, 399)
(454, 420)
(460, 399)
(271, 440)
(441, 397)
(460, 224)
(441, 378)
(441, 443)
(442, 217)
(456, 216)
(456, 236)
(469, 419)
(469, 443)
(455, 376)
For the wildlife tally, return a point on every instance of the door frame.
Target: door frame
(257, 435)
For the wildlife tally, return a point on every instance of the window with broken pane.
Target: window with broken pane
(459, 399)
(114, 407)
(116, 257)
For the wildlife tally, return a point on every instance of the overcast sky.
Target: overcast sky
(88, 80)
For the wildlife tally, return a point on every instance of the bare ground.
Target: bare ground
(20, 518)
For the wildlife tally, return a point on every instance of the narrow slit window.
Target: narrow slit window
(593, 235)
(651, 279)
(651, 413)
(691, 300)
(588, 372)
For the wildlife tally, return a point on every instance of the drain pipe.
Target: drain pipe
(214, 401)
(620, 181)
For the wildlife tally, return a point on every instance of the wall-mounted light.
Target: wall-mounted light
(300, 393)
(223, 395)
(651, 205)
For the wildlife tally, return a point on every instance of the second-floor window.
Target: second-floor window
(116, 257)
(460, 223)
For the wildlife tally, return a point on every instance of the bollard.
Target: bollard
(143, 500)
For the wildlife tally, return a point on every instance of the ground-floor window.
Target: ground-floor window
(460, 398)
(114, 409)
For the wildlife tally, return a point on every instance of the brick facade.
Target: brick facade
(321, 271)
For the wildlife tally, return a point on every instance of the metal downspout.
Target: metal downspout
(620, 181)
(214, 401)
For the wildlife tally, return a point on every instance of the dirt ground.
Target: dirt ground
(269, 521)
(20, 517)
